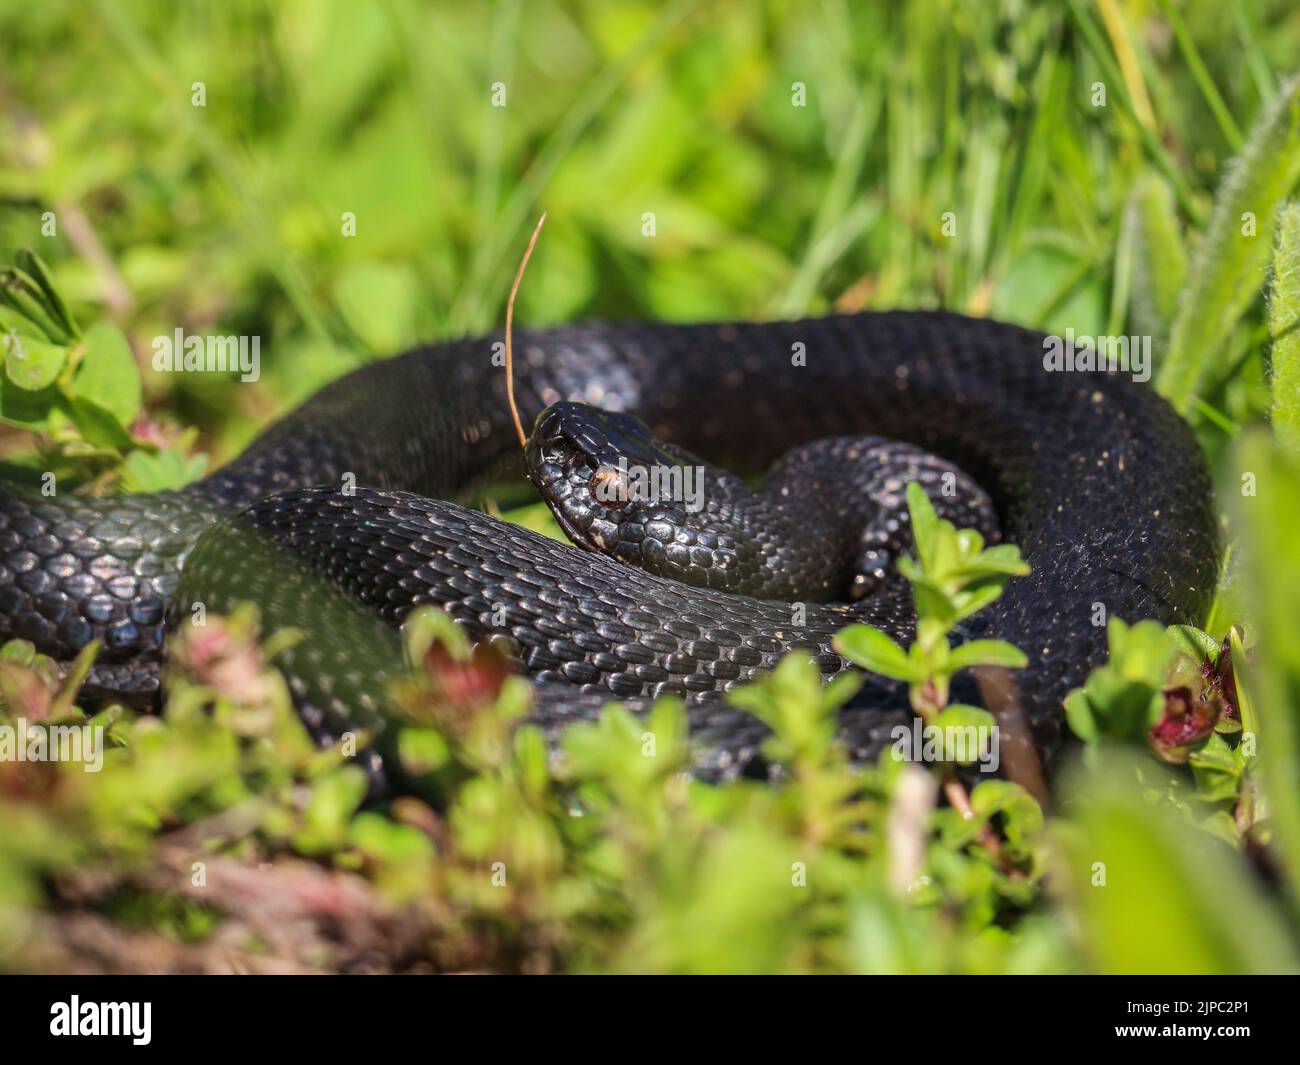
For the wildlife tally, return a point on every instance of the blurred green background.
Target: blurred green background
(227, 217)
(1062, 165)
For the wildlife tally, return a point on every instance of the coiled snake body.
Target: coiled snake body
(1094, 476)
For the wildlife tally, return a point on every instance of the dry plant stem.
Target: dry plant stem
(955, 791)
(82, 236)
(510, 318)
(998, 693)
(1128, 61)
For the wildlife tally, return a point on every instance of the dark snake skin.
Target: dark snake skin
(1095, 478)
(830, 520)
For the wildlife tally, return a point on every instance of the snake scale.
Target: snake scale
(1093, 475)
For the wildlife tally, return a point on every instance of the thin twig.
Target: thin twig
(82, 236)
(510, 318)
(958, 799)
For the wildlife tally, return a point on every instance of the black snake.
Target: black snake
(1093, 475)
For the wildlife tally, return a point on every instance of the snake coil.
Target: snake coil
(1093, 475)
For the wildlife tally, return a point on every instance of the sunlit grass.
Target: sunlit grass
(338, 179)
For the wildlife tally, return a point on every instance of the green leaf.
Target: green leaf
(1022, 816)
(422, 750)
(973, 600)
(531, 761)
(1123, 699)
(32, 365)
(943, 556)
(23, 294)
(1002, 558)
(428, 625)
(28, 410)
(1195, 643)
(20, 651)
(388, 840)
(1139, 652)
(969, 545)
(839, 690)
(969, 721)
(170, 468)
(614, 749)
(790, 702)
(1078, 715)
(1159, 259)
(1155, 895)
(1217, 769)
(987, 653)
(876, 652)
(99, 426)
(108, 374)
(13, 322)
(334, 798)
(925, 522)
(32, 264)
(931, 599)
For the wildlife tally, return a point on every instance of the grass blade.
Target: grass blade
(836, 206)
(1159, 259)
(1269, 518)
(1283, 314)
(1229, 267)
(1231, 132)
(1096, 44)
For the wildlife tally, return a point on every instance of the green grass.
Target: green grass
(950, 153)
(228, 216)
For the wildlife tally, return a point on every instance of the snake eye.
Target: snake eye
(610, 486)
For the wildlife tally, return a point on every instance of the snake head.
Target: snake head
(603, 473)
